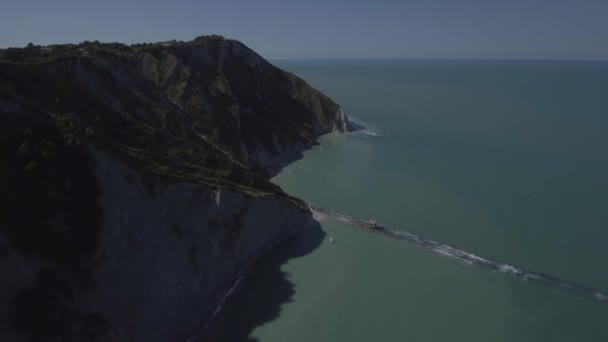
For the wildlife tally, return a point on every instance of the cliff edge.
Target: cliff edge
(135, 187)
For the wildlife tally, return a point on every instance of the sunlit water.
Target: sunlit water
(507, 160)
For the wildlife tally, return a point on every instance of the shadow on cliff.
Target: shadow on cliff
(260, 296)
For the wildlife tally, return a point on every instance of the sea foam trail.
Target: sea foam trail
(469, 258)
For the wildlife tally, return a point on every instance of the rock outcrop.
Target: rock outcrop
(135, 189)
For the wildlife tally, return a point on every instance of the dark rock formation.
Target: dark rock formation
(134, 182)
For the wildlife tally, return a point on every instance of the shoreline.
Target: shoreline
(316, 215)
(297, 152)
(243, 273)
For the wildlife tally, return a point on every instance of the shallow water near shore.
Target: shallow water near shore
(506, 160)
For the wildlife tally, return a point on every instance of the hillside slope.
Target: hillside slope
(134, 182)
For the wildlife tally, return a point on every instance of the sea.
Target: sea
(506, 160)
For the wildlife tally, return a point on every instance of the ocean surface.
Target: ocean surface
(506, 160)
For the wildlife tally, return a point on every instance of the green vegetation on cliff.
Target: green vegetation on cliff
(202, 111)
(210, 111)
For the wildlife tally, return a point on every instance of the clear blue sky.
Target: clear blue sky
(490, 29)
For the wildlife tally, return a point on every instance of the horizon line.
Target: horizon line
(438, 59)
(441, 59)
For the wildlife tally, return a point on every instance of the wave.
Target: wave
(375, 134)
(469, 258)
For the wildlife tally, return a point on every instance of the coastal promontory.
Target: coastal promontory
(135, 186)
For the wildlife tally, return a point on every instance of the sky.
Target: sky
(449, 29)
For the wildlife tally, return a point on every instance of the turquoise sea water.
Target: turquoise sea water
(507, 160)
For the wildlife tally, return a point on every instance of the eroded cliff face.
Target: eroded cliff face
(166, 254)
(135, 187)
(186, 245)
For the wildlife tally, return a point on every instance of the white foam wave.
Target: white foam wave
(530, 276)
(506, 268)
(475, 257)
(375, 134)
(444, 251)
(470, 258)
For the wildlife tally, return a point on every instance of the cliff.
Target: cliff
(214, 88)
(135, 187)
